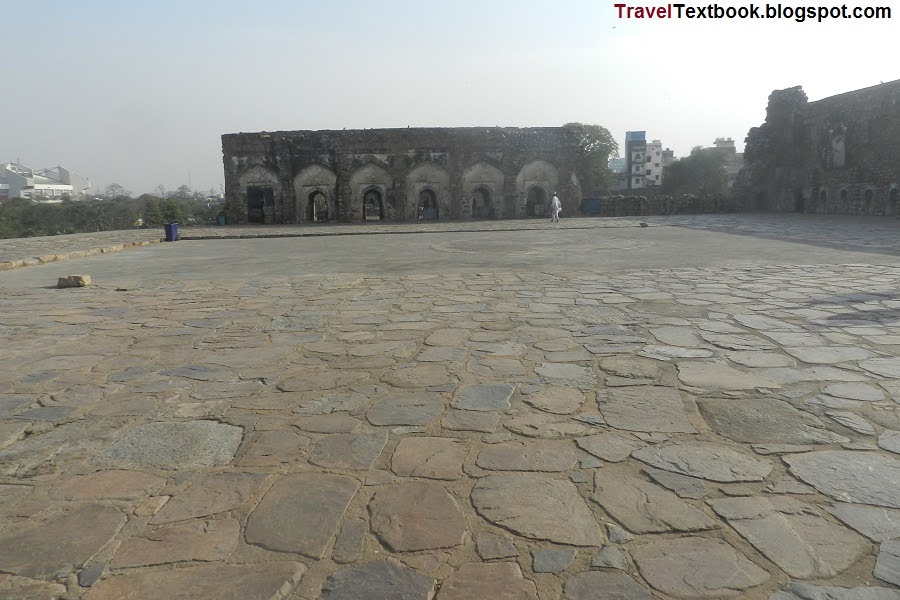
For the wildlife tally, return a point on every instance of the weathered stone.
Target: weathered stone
(886, 367)
(705, 461)
(62, 544)
(803, 591)
(631, 367)
(603, 585)
(348, 450)
(642, 507)
(556, 400)
(658, 352)
(114, 485)
(759, 358)
(273, 448)
(380, 580)
(419, 376)
(617, 535)
(328, 423)
(855, 391)
(828, 354)
(609, 557)
(416, 516)
(545, 426)
(792, 535)
(528, 456)
(348, 547)
(856, 477)
(718, 376)
(648, 408)
(876, 523)
(332, 403)
(465, 420)
(490, 546)
(537, 507)
(301, 513)
(567, 374)
(441, 354)
(173, 445)
(266, 581)
(483, 397)
(429, 457)
(852, 421)
(755, 420)
(554, 560)
(487, 580)
(74, 281)
(21, 588)
(611, 447)
(427, 562)
(788, 485)
(418, 408)
(45, 413)
(88, 576)
(195, 540)
(887, 566)
(310, 380)
(767, 449)
(696, 568)
(447, 337)
(890, 441)
(210, 494)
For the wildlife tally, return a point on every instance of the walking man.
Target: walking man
(555, 208)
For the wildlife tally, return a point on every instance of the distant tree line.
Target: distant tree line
(116, 209)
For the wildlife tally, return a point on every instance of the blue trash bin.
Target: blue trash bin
(171, 232)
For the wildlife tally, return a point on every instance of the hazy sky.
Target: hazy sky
(140, 93)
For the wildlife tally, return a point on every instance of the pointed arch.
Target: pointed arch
(315, 191)
(482, 191)
(425, 180)
(369, 182)
(260, 191)
(536, 175)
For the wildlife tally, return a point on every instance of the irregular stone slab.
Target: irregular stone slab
(755, 420)
(697, 568)
(683, 486)
(332, 403)
(609, 557)
(611, 447)
(273, 448)
(195, 540)
(796, 375)
(556, 400)
(828, 354)
(705, 461)
(380, 580)
(266, 580)
(854, 391)
(670, 352)
(631, 367)
(487, 580)
(759, 358)
(545, 426)
(528, 456)
(856, 477)
(876, 523)
(483, 397)
(642, 507)
(418, 408)
(676, 336)
(617, 535)
(717, 376)
(890, 441)
(447, 337)
(416, 516)
(348, 547)
(21, 588)
(464, 420)
(45, 413)
(567, 374)
(537, 507)
(301, 513)
(886, 367)
(348, 450)
(555, 560)
(62, 544)
(419, 376)
(804, 591)
(429, 457)
(490, 546)
(113, 485)
(792, 535)
(887, 566)
(788, 485)
(313, 380)
(210, 494)
(851, 421)
(603, 585)
(9, 403)
(333, 423)
(648, 408)
(173, 445)
(441, 354)
(492, 366)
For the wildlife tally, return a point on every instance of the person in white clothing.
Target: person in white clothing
(555, 208)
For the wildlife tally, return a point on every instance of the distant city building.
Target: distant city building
(619, 168)
(645, 162)
(734, 160)
(47, 185)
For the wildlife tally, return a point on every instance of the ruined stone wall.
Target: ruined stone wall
(838, 155)
(398, 174)
(660, 204)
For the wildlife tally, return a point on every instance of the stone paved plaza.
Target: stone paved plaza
(608, 411)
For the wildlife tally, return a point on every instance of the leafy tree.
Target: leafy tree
(703, 172)
(114, 190)
(596, 146)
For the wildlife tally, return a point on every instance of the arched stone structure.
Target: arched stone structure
(308, 184)
(482, 192)
(538, 174)
(427, 177)
(366, 180)
(261, 198)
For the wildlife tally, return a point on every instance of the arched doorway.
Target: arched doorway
(845, 202)
(428, 206)
(894, 202)
(868, 201)
(260, 203)
(482, 204)
(536, 202)
(317, 207)
(373, 206)
(799, 201)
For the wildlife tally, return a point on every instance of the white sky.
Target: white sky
(140, 95)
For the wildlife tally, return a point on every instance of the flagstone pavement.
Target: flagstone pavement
(713, 430)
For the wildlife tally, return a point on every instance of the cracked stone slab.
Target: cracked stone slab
(764, 420)
(804, 591)
(465, 420)
(314, 380)
(420, 408)
(886, 367)
(537, 507)
(648, 409)
(301, 513)
(22, 588)
(759, 358)
(604, 585)
(683, 486)
(848, 476)
(697, 568)
(348, 547)
(273, 448)
(567, 374)
(419, 376)
(887, 565)
(876, 523)
(609, 557)
(113, 485)
(718, 376)
(416, 515)
(210, 494)
(487, 580)
(556, 400)
(490, 546)
(429, 457)
(852, 421)
(672, 352)
(380, 580)
(195, 540)
(792, 535)
(705, 460)
(483, 397)
(348, 450)
(269, 580)
(528, 455)
(828, 354)
(173, 445)
(610, 446)
(890, 441)
(854, 391)
(553, 560)
(545, 426)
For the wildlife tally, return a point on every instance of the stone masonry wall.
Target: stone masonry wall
(398, 174)
(837, 155)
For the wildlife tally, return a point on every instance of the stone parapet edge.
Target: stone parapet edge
(47, 258)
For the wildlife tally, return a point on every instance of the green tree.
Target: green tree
(595, 146)
(703, 172)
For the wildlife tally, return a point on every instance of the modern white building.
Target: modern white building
(45, 185)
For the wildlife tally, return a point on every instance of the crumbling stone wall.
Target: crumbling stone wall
(397, 174)
(659, 204)
(838, 155)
